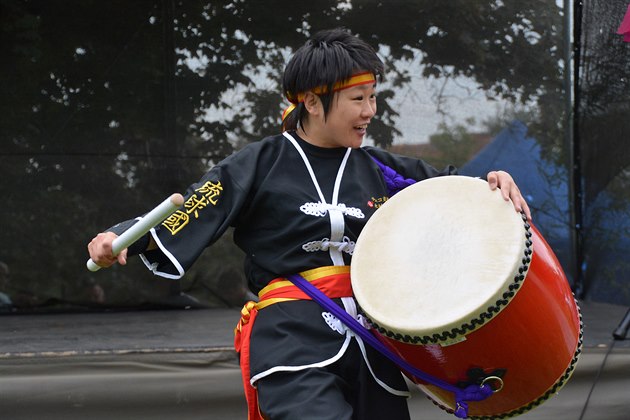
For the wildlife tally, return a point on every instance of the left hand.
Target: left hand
(509, 191)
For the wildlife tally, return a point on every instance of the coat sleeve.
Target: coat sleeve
(211, 206)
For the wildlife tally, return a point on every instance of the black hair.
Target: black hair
(328, 57)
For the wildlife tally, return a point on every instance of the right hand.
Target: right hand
(100, 249)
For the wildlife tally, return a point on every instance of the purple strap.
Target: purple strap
(394, 181)
(462, 395)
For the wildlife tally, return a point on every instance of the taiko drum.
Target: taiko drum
(462, 287)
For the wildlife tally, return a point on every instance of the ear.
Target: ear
(312, 103)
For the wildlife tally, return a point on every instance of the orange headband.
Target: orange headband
(356, 80)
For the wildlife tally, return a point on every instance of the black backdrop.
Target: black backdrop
(106, 108)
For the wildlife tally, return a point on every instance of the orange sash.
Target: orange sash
(334, 281)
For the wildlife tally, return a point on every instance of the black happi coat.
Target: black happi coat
(260, 191)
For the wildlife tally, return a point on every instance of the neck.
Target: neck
(311, 135)
(300, 132)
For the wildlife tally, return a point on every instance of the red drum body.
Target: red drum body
(517, 329)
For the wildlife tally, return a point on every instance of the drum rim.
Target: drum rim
(458, 333)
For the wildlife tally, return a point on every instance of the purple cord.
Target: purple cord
(462, 395)
(394, 181)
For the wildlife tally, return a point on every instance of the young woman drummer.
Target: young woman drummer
(298, 201)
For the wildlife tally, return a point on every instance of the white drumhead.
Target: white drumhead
(437, 255)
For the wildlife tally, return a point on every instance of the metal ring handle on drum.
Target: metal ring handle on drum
(493, 378)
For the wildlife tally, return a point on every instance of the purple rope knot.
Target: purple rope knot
(470, 393)
(394, 181)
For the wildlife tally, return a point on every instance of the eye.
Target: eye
(371, 97)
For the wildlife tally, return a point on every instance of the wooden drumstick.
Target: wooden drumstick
(142, 226)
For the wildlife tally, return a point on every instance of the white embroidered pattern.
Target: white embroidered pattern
(325, 244)
(321, 209)
(335, 213)
(334, 323)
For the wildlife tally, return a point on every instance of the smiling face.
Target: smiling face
(351, 111)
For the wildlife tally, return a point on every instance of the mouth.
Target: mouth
(362, 128)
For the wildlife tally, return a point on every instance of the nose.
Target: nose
(369, 109)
